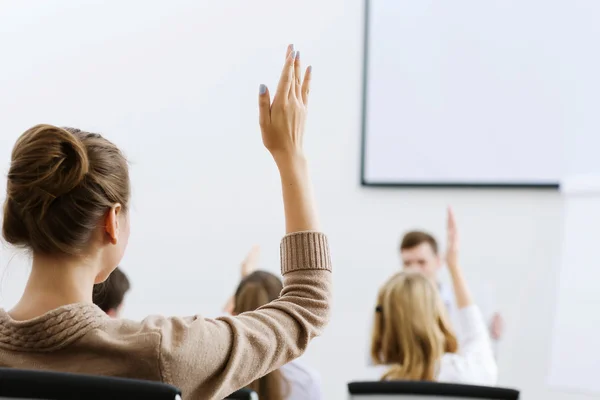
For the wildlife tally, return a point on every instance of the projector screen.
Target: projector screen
(478, 93)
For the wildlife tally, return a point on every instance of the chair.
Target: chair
(243, 394)
(46, 385)
(419, 390)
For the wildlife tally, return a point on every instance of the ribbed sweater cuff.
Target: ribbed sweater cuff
(305, 250)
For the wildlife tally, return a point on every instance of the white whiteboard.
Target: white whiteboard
(473, 92)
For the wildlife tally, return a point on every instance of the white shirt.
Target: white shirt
(447, 294)
(474, 363)
(304, 382)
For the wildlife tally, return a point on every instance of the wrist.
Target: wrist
(454, 270)
(289, 161)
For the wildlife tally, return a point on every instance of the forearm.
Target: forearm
(298, 201)
(461, 290)
(238, 350)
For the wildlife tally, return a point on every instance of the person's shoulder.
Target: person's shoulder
(128, 328)
(455, 368)
(153, 324)
(304, 381)
(300, 370)
(451, 369)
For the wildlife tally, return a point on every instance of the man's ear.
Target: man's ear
(111, 223)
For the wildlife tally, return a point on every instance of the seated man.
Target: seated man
(109, 295)
(419, 250)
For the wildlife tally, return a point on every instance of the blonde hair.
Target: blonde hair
(411, 331)
(256, 290)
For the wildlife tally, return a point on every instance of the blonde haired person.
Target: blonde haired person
(412, 335)
(294, 380)
(67, 201)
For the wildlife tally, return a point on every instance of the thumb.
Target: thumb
(264, 106)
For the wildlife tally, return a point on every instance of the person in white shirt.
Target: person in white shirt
(412, 335)
(293, 381)
(419, 250)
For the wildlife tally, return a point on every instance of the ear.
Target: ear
(111, 223)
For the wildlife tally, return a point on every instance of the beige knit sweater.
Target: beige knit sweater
(205, 358)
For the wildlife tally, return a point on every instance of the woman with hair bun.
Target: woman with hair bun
(67, 202)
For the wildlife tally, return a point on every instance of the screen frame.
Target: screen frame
(403, 184)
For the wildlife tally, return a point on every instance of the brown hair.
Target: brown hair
(415, 238)
(254, 291)
(109, 294)
(61, 183)
(411, 331)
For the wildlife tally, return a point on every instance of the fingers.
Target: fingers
(254, 253)
(289, 50)
(287, 76)
(297, 85)
(264, 106)
(451, 220)
(306, 85)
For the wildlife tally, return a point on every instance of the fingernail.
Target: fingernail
(298, 55)
(262, 89)
(291, 47)
(293, 55)
(309, 68)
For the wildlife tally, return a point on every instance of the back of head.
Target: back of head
(61, 183)
(254, 291)
(411, 331)
(109, 294)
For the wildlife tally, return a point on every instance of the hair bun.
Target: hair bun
(47, 162)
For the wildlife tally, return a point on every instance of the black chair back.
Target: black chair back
(420, 390)
(47, 385)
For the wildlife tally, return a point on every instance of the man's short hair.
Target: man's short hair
(109, 294)
(413, 239)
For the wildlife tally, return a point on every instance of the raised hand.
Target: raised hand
(461, 290)
(497, 327)
(282, 122)
(282, 125)
(250, 263)
(452, 250)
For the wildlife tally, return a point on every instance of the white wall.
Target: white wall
(176, 87)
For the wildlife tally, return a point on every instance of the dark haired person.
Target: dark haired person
(110, 294)
(67, 201)
(420, 251)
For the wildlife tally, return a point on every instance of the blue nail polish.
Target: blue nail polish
(291, 47)
(309, 69)
(293, 55)
(298, 55)
(262, 89)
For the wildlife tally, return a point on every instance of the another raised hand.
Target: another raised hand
(453, 242)
(250, 263)
(282, 125)
(461, 291)
(497, 326)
